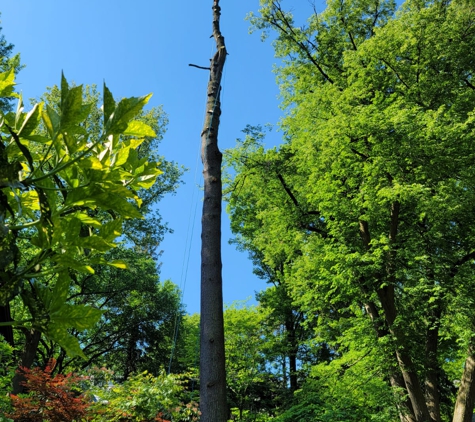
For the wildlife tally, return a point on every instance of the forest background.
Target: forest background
(361, 221)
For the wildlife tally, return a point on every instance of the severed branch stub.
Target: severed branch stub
(213, 404)
(199, 67)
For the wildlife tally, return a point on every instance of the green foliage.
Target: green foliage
(142, 397)
(245, 339)
(188, 347)
(8, 62)
(136, 330)
(365, 211)
(7, 370)
(54, 183)
(144, 233)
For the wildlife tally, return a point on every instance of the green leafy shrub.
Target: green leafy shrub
(142, 397)
(6, 375)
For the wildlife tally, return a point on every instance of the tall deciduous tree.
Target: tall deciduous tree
(370, 200)
(53, 187)
(212, 358)
(113, 290)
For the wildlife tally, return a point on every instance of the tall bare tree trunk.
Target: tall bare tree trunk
(213, 403)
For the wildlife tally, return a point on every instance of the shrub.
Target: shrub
(142, 397)
(51, 398)
(6, 374)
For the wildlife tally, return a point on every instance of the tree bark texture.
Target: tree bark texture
(432, 374)
(463, 411)
(418, 409)
(213, 404)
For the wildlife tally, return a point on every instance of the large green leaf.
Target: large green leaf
(73, 111)
(125, 111)
(112, 229)
(7, 84)
(60, 315)
(58, 333)
(97, 243)
(31, 121)
(86, 219)
(60, 292)
(137, 128)
(52, 121)
(91, 163)
(109, 105)
(67, 261)
(110, 197)
(80, 317)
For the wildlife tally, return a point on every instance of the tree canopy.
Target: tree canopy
(361, 221)
(367, 206)
(64, 196)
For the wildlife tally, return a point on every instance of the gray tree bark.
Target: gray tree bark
(464, 405)
(213, 404)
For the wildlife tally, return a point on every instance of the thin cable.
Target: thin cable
(185, 265)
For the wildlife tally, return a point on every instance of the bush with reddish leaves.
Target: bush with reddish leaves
(51, 398)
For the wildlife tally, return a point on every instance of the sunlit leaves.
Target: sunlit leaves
(372, 191)
(7, 83)
(68, 191)
(137, 128)
(31, 121)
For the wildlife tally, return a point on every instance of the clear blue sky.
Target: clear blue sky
(144, 46)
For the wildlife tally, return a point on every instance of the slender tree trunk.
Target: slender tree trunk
(292, 351)
(293, 371)
(466, 395)
(432, 374)
(28, 357)
(213, 404)
(404, 406)
(411, 380)
(388, 304)
(400, 380)
(6, 331)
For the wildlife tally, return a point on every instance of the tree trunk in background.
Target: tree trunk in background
(6, 331)
(213, 403)
(432, 374)
(32, 339)
(293, 347)
(466, 395)
(403, 404)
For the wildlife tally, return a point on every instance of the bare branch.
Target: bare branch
(199, 67)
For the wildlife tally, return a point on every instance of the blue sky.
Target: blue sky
(144, 46)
